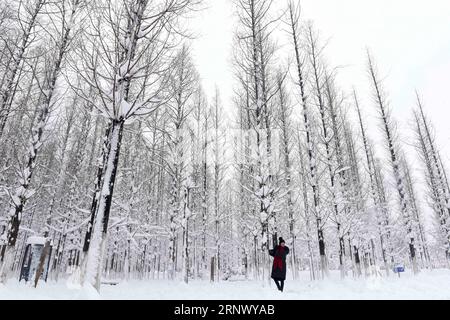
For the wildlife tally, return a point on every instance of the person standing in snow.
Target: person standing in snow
(279, 263)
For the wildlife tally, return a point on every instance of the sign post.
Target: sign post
(399, 269)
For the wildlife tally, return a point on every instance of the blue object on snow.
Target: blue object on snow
(399, 269)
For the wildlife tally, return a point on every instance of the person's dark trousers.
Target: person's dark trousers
(280, 284)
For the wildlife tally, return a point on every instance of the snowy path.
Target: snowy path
(427, 285)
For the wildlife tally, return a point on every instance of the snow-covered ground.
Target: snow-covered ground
(427, 285)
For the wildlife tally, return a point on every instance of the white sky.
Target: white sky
(409, 39)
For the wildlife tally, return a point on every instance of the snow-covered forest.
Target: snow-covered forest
(117, 162)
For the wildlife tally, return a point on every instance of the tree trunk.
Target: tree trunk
(100, 228)
(40, 269)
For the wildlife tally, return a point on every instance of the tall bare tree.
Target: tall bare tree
(294, 22)
(387, 126)
(132, 40)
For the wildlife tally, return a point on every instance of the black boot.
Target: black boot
(278, 285)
